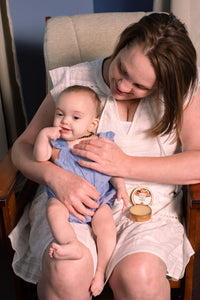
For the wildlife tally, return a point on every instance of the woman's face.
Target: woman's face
(131, 75)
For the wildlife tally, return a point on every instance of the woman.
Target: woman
(150, 96)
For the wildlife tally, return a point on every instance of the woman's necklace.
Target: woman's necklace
(86, 136)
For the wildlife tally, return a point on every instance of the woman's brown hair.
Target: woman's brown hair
(166, 43)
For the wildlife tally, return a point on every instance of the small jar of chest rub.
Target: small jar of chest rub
(141, 198)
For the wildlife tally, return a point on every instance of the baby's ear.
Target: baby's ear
(93, 125)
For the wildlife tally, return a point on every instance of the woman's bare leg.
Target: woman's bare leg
(140, 276)
(104, 228)
(66, 279)
(67, 245)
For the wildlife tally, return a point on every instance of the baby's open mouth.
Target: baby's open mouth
(65, 130)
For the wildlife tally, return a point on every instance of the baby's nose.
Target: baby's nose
(65, 120)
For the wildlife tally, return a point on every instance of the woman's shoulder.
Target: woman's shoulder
(75, 70)
(79, 74)
(62, 73)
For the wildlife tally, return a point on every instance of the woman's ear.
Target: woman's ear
(93, 125)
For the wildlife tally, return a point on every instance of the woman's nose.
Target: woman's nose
(124, 85)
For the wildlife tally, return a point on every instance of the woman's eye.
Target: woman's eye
(122, 71)
(140, 87)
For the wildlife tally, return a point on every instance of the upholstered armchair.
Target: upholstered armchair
(67, 41)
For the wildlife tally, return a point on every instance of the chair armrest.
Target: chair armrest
(194, 195)
(15, 192)
(192, 226)
(193, 215)
(8, 177)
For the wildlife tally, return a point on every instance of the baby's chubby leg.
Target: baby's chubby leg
(104, 228)
(66, 245)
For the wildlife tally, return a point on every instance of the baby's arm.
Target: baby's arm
(42, 150)
(119, 185)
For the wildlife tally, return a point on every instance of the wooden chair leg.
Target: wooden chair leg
(193, 225)
(189, 280)
(196, 276)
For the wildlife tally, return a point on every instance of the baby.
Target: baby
(76, 118)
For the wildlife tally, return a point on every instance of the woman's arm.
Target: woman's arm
(72, 190)
(182, 168)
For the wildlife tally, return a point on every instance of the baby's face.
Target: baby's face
(75, 114)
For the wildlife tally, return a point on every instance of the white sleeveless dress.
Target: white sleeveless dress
(163, 235)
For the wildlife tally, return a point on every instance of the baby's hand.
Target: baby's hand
(123, 195)
(119, 185)
(52, 133)
(42, 150)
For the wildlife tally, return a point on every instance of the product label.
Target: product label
(141, 195)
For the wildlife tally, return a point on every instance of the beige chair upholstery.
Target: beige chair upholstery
(79, 38)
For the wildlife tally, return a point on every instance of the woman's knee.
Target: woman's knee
(138, 274)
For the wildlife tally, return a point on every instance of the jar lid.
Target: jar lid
(141, 195)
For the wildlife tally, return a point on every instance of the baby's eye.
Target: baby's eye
(59, 114)
(76, 118)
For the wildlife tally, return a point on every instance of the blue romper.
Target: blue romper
(68, 161)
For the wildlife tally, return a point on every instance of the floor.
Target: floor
(6, 280)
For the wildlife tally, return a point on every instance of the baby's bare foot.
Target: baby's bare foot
(97, 284)
(71, 250)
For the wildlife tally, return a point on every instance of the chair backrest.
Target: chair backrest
(70, 40)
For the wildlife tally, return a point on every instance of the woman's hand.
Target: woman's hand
(74, 192)
(105, 156)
